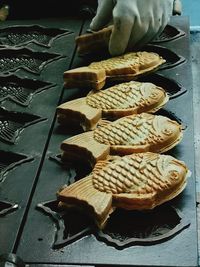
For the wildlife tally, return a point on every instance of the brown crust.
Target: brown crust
(78, 112)
(122, 68)
(148, 201)
(91, 42)
(84, 147)
(84, 77)
(112, 103)
(139, 181)
(152, 133)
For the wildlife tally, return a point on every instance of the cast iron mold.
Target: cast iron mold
(21, 90)
(170, 33)
(20, 35)
(172, 116)
(172, 59)
(172, 87)
(75, 171)
(141, 228)
(9, 160)
(12, 123)
(71, 225)
(11, 259)
(6, 207)
(26, 59)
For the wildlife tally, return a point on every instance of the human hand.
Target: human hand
(136, 22)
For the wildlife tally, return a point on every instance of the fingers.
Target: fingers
(153, 30)
(139, 30)
(136, 22)
(103, 16)
(177, 7)
(120, 36)
(149, 29)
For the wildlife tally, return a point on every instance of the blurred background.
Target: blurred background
(21, 9)
(191, 8)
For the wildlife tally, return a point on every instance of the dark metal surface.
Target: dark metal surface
(22, 35)
(11, 260)
(21, 90)
(38, 181)
(17, 184)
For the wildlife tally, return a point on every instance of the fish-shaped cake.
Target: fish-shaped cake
(126, 67)
(138, 181)
(130, 134)
(112, 103)
(93, 41)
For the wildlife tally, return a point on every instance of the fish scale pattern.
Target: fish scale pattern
(136, 173)
(17, 38)
(129, 60)
(9, 129)
(125, 95)
(12, 63)
(17, 92)
(130, 130)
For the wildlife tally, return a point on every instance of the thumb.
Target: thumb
(103, 16)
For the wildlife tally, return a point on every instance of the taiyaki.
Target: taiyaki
(121, 68)
(95, 41)
(92, 41)
(112, 103)
(130, 134)
(138, 181)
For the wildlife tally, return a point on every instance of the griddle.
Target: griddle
(31, 227)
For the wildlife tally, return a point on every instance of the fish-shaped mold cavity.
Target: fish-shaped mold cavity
(173, 88)
(131, 134)
(9, 160)
(170, 33)
(114, 102)
(6, 207)
(21, 90)
(172, 59)
(126, 67)
(138, 181)
(12, 59)
(18, 35)
(12, 123)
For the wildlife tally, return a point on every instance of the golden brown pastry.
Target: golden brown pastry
(91, 42)
(131, 134)
(114, 102)
(121, 68)
(139, 181)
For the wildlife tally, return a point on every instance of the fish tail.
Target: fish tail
(84, 196)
